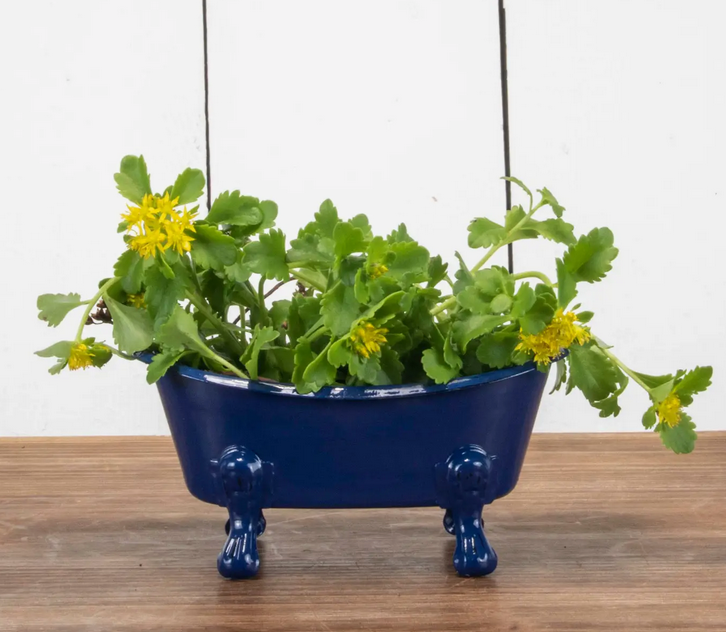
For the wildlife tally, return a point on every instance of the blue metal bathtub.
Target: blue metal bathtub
(250, 445)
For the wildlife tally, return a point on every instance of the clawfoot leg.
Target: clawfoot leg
(449, 522)
(474, 555)
(462, 482)
(261, 526)
(244, 486)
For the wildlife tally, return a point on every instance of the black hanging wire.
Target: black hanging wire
(206, 104)
(505, 112)
(505, 117)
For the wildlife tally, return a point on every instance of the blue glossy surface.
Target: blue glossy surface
(351, 446)
(245, 482)
(463, 488)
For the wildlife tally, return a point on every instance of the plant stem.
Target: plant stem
(206, 311)
(316, 334)
(238, 328)
(489, 254)
(443, 306)
(252, 293)
(120, 354)
(314, 329)
(302, 276)
(241, 316)
(193, 273)
(625, 369)
(91, 304)
(261, 299)
(227, 365)
(533, 274)
(277, 287)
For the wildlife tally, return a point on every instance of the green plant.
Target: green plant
(366, 309)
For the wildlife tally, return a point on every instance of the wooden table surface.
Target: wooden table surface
(603, 533)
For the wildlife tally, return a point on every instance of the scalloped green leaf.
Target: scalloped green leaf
(399, 235)
(130, 269)
(162, 293)
(180, 331)
(348, 239)
(592, 372)
(339, 308)
(234, 209)
(319, 372)
(521, 185)
(55, 307)
(161, 363)
(133, 181)
(590, 259)
(436, 366)
(267, 256)
(473, 326)
(132, 327)
(556, 230)
(551, 201)
(682, 438)
(213, 249)
(188, 186)
(695, 381)
(410, 263)
(484, 233)
(496, 349)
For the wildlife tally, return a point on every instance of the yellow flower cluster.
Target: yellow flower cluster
(367, 339)
(669, 410)
(81, 357)
(377, 270)
(560, 334)
(158, 225)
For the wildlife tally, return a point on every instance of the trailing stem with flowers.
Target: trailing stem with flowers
(365, 310)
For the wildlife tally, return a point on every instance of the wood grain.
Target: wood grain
(604, 532)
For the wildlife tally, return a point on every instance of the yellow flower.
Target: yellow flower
(137, 215)
(165, 206)
(184, 218)
(147, 243)
(367, 339)
(560, 334)
(377, 270)
(136, 300)
(80, 357)
(177, 239)
(669, 410)
(157, 225)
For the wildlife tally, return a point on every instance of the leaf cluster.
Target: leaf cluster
(338, 305)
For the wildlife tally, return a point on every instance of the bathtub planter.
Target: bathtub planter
(365, 309)
(249, 445)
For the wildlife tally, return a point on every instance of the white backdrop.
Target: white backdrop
(391, 108)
